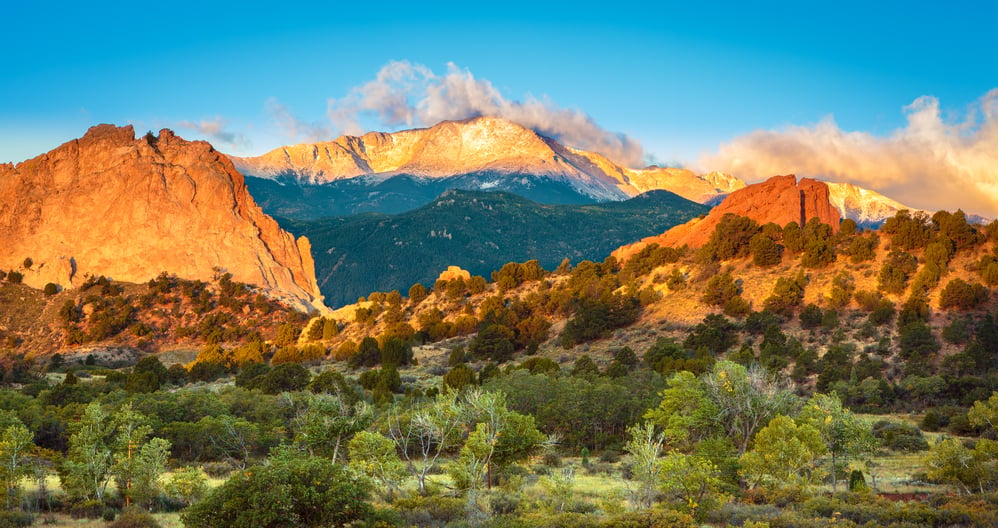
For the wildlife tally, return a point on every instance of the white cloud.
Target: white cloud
(294, 128)
(215, 131)
(406, 94)
(930, 163)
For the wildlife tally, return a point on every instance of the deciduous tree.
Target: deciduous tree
(784, 454)
(16, 463)
(645, 446)
(845, 436)
(374, 456)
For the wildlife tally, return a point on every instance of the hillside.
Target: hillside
(165, 313)
(479, 232)
(847, 309)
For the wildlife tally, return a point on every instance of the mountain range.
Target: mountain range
(400, 171)
(131, 208)
(394, 172)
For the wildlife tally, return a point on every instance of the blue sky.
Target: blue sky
(685, 79)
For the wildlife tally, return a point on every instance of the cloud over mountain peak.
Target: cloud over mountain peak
(932, 162)
(409, 94)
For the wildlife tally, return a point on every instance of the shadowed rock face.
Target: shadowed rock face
(110, 204)
(780, 199)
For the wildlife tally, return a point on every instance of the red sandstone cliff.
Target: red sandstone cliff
(110, 204)
(780, 199)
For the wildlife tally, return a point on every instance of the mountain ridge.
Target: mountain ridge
(478, 231)
(867, 208)
(485, 153)
(473, 146)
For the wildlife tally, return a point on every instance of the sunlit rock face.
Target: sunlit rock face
(110, 204)
(481, 145)
(780, 199)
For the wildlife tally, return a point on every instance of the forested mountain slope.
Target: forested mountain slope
(477, 231)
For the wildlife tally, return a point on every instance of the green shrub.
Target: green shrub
(908, 231)
(720, 288)
(933, 421)
(177, 374)
(958, 331)
(740, 514)
(897, 269)
(457, 377)
(810, 316)
(134, 518)
(716, 334)
(87, 509)
(430, 511)
(15, 519)
(677, 281)
(186, 485)
(651, 518)
(609, 456)
(503, 504)
(285, 377)
(330, 381)
(787, 295)
(757, 322)
(962, 295)
(731, 237)
(205, 371)
(863, 248)
(857, 483)
(765, 251)
(494, 342)
(250, 374)
(539, 365)
(560, 520)
(287, 493)
(218, 470)
(899, 436)
(456, 356)
(396, 352)
(819, 247)
(596, 318)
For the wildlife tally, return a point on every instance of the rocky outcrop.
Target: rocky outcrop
(454, 272)
(780, 199)
(110, 204)
(478, 145)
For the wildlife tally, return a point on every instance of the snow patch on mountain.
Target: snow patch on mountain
(867, 208)
(481, 145)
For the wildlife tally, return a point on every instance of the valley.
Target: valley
(476, 231)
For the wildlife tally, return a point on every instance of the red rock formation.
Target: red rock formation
(110, 204)
(780, 199)
(454, 272)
